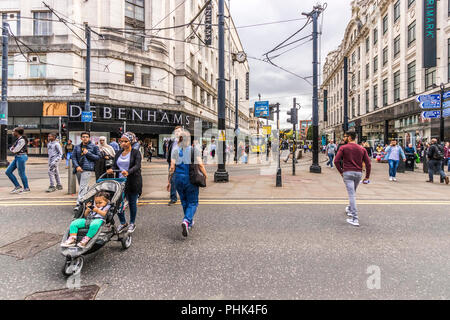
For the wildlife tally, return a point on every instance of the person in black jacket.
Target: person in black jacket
(128, 161)
(436, 156)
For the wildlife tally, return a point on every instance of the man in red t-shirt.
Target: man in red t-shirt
(353, 156)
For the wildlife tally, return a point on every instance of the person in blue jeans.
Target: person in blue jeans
(170, 144)
(393, 155)
(179, 170)
(20, 150)
(331, 151)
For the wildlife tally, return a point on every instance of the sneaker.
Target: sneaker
(394, 179)
(191, 225)
(347, 210)
(391, 179)
(430, 181)
(353, 222)
(16, 190)
(70, 242)
(131, 228)
(171, 202)
(185, 227)
(83, 243)
(59, 187)
(121, 228)
(51, 189)
(27, 190)
(447, 180)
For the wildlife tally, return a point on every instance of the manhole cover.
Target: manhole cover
(29, 246)
(83, 293)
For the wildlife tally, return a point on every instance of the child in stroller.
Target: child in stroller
(94, 216)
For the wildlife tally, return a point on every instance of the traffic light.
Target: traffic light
(293, 113)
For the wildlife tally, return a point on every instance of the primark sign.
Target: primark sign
(108, 113)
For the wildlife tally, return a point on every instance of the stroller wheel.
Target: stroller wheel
(73, 267)
(126, 241)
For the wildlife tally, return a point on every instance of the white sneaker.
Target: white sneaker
(347, 210)
(394, 179)
(391, 179)
(353, 222)
(16, 190)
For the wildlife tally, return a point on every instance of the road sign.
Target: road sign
(446, 104)
(431, 114)
(222, 135)
(447, 95)
(267, 130)
(261, 109)
(430, 101)
(87, 116)
(446, 113)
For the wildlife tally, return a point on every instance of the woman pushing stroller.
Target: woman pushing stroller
(95, 214)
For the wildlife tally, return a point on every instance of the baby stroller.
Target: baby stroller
(75, 255)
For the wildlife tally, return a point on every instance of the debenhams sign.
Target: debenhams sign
(129, 114)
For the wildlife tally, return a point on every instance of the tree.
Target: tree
(309, 135)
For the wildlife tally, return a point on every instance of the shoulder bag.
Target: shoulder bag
(196, 177)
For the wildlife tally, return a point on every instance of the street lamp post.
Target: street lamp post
(442, 124)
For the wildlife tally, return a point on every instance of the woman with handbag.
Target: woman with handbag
(189, 174)
(106, 161)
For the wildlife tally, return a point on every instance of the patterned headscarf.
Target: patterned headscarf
(129, 135)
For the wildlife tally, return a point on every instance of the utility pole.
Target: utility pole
(4, 102)
(279, 182)
(87, 106)
(236, 121)
(345, 127)
(315, 167)
(221, 175)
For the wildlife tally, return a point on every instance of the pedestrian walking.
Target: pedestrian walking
(68, 149)
(181, 159)
(349, 162)
(170, 144)
(331, 150)
(84, 157)
(107, 155)
(114, 145)
(212, 149)
(435, 158)
(128, 162)
(20, 151)
(369, 149)
(55, 155)
(393, 154)
(447, 155)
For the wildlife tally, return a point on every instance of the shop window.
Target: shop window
(42, 23)
(145, 77)
(129, 73)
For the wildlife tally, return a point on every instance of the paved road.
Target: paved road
(258, 250)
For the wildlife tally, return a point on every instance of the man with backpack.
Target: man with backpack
(435, 158)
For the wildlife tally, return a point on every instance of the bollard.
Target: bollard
(72, 185)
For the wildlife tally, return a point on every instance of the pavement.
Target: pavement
(256, 181)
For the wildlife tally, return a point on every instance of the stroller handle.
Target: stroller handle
(103, 175)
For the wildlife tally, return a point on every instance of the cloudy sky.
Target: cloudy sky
(274, 84)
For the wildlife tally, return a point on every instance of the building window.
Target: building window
(448, 54)
(194, 92)
(129, 73)
(410, 3)
(397, 86)
(135, 22)
(375, 64)
(353, 108)
(192, 62)
(396, 46)
(368, 71)
(397, 11)
(367, 100)
(200, 68)
(38, 66)
(367, 44)
(375, 36)
(375, 97)
(430, 78)
(145, 76)
(411, 33)
(353, 83)
(13, 19)
(411, 79)
(385, 92)
(42, 25)
(385, 56)
(385, 24)
(10, 67)
(353, 58)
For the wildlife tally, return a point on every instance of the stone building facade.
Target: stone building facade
(384, 45)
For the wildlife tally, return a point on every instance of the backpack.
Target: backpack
(438, 153)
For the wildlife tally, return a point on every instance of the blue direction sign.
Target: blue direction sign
(431, 114)
(447, 95)
(261, 109)
(446, 113)
(86, 116)
(446, 104)
(431, 101)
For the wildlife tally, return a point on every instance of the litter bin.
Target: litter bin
(410, 162)
(300, 154)
(401, 166)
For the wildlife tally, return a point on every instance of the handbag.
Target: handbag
(196, 177)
